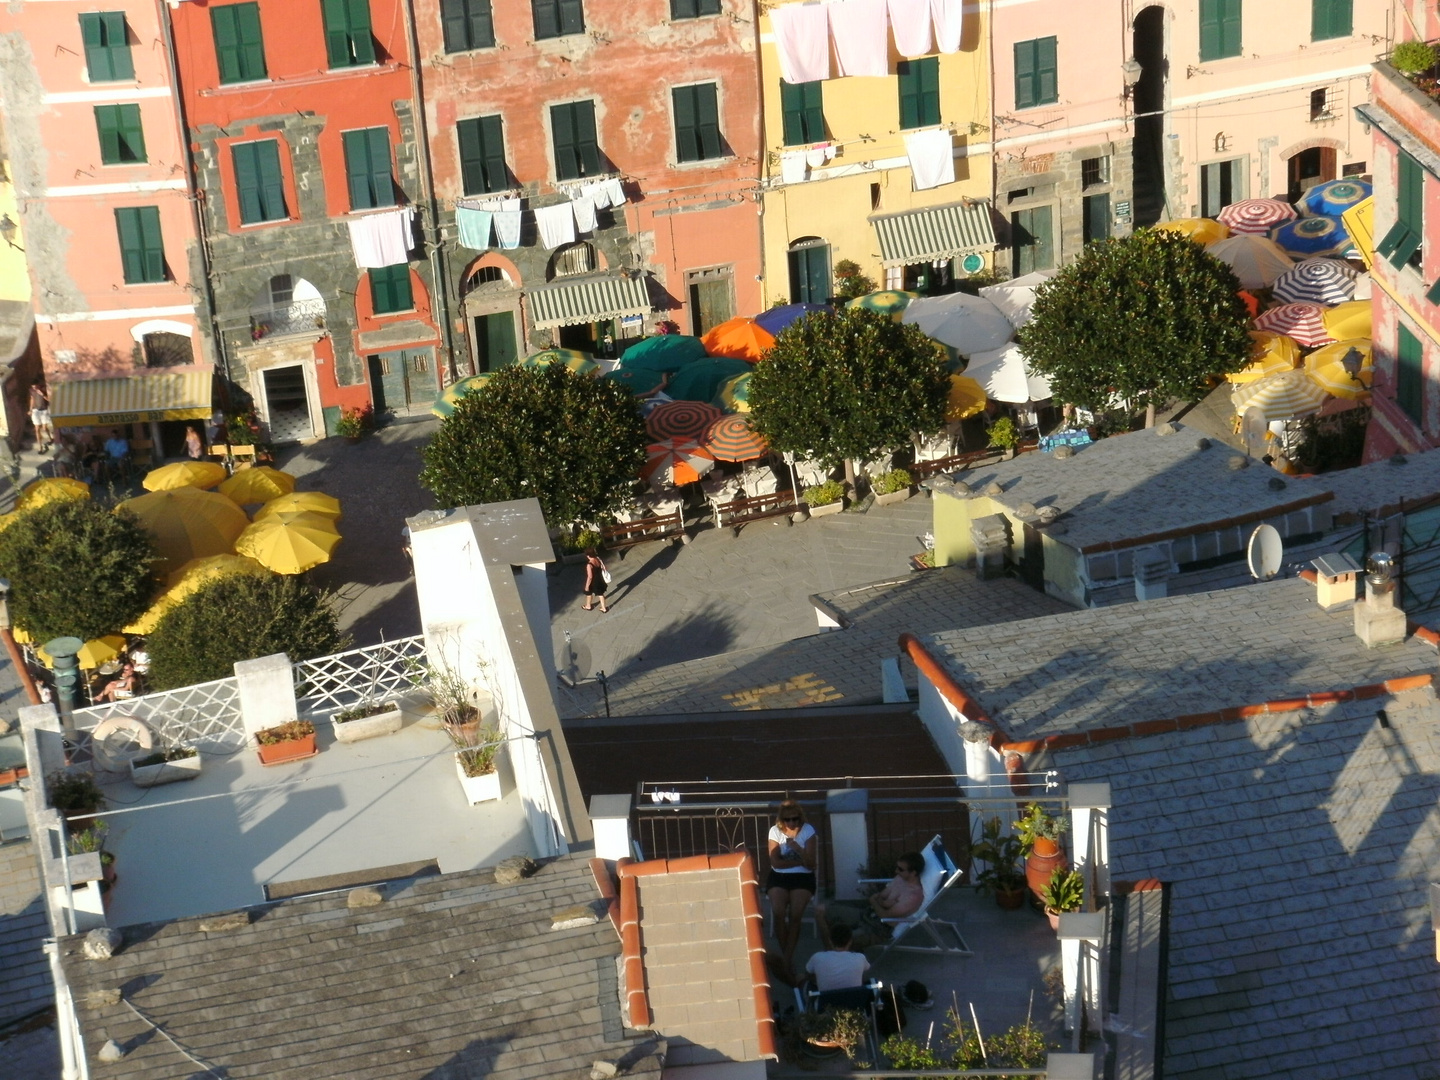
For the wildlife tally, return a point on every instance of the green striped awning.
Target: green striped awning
(571, 301)
(934, 233)
(182, 395)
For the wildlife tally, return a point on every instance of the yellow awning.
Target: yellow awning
(1360, 224)
(172, 396)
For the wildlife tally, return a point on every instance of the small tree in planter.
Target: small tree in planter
(1003, 874)
(478, 767)
(369, 718)
(841, 1030)
(826, 498)
(293, 740)
(1003, 435)
(892, 487)
(74, 794)
(1040, 832)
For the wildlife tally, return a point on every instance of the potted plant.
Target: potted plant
(290, 741)
(166, 766)
(477, 767)
(91, 842)
(1004, 436)
(455, 702)
(1003, 874)
(353, 424)
(892, 487)
(826, 498)
(923, 561)
(366, 720)
(834, 1031)
(74, 794)
(1064, 892)
(1040, 833)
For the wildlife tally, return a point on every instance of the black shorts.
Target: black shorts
(804, 880)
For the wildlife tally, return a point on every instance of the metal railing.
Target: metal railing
(207, 714)
(331, 683)
(297, 317)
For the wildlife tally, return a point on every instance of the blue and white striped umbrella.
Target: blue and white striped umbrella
(1319, 235)
(1334, 197)
(1317, 281)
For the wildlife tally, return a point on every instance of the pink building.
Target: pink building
(110, 228)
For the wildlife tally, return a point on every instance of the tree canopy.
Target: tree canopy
(76, 569)
(1144, 319)
(574, 442)
(846, 385)
(240, 618)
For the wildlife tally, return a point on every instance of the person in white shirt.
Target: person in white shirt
(791, 881)
(838, 968)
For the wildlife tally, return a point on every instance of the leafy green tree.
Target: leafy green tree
(240, 618)
(847, 385)
(574, 442)
(76, 568)
(1146, 319)
(850, 282)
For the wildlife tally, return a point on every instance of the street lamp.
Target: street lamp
(66, 666)
(16, 658)
(1131, 71)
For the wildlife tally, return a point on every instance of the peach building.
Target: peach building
(110, 229)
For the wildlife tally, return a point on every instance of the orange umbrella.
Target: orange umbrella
(732, 439)
(740, 338)
(684, 460)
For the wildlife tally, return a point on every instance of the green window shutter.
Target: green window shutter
(693, 9)
(132, 135)
(687, 139)
(239, 46)
(142, 253)
(919, 92)
(1210, 35)
(367, 168)
(497, 175)
(572, 17)
(585, 137)
(1047, 85)
(382, 187)
(390, 289)
(107, 123)
(107, 46)
(909, 94)
(1025, 90)
(258, 181)
(1433, 296)
(348, 39)
(1400, 246)
(792, 110)
(117, 44)
(573, 131)
(1230, 28)
(707, 117)
(247, 183)
(1410, 375)
(482, 155)
(554, 18)
(469, 24)
(272, 182)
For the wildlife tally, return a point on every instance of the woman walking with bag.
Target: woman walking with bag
(596, 578)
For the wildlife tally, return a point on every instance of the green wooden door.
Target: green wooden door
(495, 345)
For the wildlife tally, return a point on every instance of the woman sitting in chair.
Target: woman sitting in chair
(791, 882)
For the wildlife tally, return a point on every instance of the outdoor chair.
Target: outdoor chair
(939, 874)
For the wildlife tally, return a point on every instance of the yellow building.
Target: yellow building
(838, 182)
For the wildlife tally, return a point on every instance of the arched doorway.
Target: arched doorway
(1307, 167)
(490, 297)
(810, 280)
(1148, 98)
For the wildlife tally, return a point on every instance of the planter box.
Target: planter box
(572, 558)
(478, 789)
(367, 727)
(917, 563)
(893, 497)
(166, 772)
(827, 509)
(294, 750)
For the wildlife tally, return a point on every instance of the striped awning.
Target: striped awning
(171, 396)
(937, 232)
(588, 299)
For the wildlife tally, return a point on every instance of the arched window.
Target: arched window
(286, 305)
(573, 259)
(810, 271)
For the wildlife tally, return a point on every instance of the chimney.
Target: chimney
(991, 536)
(1335, 580)
(1378, 621)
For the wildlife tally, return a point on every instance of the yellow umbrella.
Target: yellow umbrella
(1344, 368)
(315, 502)
(289, 543)
(184, 474)
(257, 485)
(49, 490)
(1202, 230)
(1270, 353)
(1280, 397)
(967, 398)
(21, 635)
(188, 523)
(189, 579)
(1360, 224)
(92, 654)
(1348, 320)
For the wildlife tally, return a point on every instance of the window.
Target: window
(1402, 244)
(697, 123)
(1319, 108)
(1219, 29)
(1019, 193)
(367, 167)
(1410, 375)
(574, 259)
(1329, 19)
(482, 155)
(1094, 172)
(107, 48)
(1354, 168)
(1030, 240)
(390, 289)
(1221, 183)
(1035, 75)
(238, 45)
(1097, 217)
(802, 106)
(573, 128)
(919, 92)
(810, 272)
(162, 349)
(142, 255)
(693, 9)
(555, 18)
(468, 25)
(258, 182)
(347, 33)
(121, 140)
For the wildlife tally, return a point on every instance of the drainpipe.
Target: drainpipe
(439, 274)
(763, 162)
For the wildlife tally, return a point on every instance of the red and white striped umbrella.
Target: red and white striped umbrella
(680, 419)
(1256, 216)
(679, 461)
(1303, 322)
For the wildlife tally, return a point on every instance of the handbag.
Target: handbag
(605, 576)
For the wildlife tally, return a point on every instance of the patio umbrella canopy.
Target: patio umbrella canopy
(577, 361)
(1335, 196)
(734, 395)
(677, 461)
(1005, 376)
(92, 654)
(1270, 354)
(892, 302)
(1202, 230)
(1280, 397)
(1348, 320)
(968, 324)
(1312, 236)
(180, 474)
(51, 489)
(702, 380)
(314, 501)
(189, 579)
(665, 353)
(445, 404)
(257, 485)
(639, 381)
(1303, 322)
(1256, 260)
(731, 438)
(1344, 369)
(188, 523)
(289, 543)
(680, 419)
(967, 398)
(1317, 281)
(1016, 297)
(778, 318)
(741, 339)
(1256, 216)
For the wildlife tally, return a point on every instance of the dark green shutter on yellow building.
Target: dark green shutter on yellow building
(919, 92)
(803, 111)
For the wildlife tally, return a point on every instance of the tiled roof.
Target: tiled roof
(451, 976)
(1297, 849)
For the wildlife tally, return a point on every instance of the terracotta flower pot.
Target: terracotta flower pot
(1039, 867)
(1009, 900)
(290, 750)
(1054, 917)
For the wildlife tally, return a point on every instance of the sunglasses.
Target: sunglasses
(792, 820)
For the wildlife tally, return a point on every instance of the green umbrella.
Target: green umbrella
(446, 402)
(639, 381)
(702, 379)
(577, 361)
(666, 353)
(890, 302)
(734, 395)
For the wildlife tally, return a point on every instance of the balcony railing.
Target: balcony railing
(297, 317)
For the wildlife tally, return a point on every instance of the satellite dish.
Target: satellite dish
(1264, 552)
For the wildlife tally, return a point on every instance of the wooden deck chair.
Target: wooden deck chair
(939, 874)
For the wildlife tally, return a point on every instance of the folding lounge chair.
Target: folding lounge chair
(939, 874)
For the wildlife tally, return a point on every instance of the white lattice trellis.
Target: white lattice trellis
(207, 714)
(331, 683)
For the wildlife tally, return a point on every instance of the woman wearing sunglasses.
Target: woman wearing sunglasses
(791, 882)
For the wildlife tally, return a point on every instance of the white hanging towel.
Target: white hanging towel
(381, 239)
(507, 223)
(802, 39)
(597, 194)
(949, 16)
(474, 227)
(816, 158)
(615, 190)
(556, 224)
(910, 23)
(584, 215)
(932, 158)
(792, 166)
(862, 46)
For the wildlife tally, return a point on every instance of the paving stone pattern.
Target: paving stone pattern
(1298, 849)
(24, 972)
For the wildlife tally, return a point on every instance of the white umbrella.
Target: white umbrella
(1006, 377)
(1014, 297)
(968, 324)
(1256, 260)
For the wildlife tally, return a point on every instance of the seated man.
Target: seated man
(117, 449)
(902, 896)
(838, 968)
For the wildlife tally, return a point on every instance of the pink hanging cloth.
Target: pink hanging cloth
(862, 47)
(802, 38)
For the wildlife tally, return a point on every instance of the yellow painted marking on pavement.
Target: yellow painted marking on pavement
(807, 689)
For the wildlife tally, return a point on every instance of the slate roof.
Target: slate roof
(1162, 659)
(1298, 849)
(449, 977)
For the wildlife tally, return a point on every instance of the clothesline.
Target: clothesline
(557, 224)
(859, 32)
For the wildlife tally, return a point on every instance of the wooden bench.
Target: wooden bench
(738, 513)
(643, 530)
